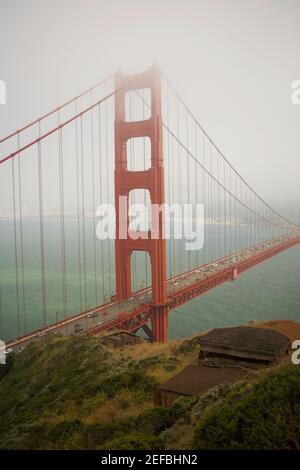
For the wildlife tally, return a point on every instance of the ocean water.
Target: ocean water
(269, 291)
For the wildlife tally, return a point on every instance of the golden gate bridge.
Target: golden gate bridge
(128, 136)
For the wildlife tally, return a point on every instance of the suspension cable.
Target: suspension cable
(215, 179)
(53, 111)
(62, 125)
(222, 154)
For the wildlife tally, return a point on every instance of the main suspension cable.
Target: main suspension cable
(222, 154)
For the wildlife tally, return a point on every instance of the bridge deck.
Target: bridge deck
(136, 311)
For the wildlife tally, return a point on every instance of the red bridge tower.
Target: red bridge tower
(151, 179)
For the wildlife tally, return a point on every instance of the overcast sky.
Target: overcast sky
(232, 61)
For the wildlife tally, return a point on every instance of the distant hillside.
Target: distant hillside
(96, 393)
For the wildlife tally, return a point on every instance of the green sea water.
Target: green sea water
(270, 291)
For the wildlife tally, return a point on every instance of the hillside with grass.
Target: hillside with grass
(97, 393)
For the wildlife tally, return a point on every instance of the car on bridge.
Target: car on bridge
(92, 315)
(78, 327)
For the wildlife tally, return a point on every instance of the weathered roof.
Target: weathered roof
(197, 379)
(289, 328)
(247, 340)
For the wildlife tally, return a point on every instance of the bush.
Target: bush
(182, 407)
(154, 421)
(6, 368)
(64, 430)
(136, 441)
(98, 433)
(130, 379)
(268, 417)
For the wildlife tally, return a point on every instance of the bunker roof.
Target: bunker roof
(244, 341)
(197, 379)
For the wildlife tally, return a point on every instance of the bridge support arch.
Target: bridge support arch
(151, 179)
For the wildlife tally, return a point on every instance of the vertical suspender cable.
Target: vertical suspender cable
(101, 197)
(16, 248)
(211, 202)
(42, 237)
(218, 215)
(1, 314)
(188, 179)
(230, 211)
(21, 241)
(236, 215)
(224, 218)
(173, 201)
(94, 204)
(204, 192)
(196, 190)
(180, 173)
(169, 166)
(83, 214)
(62, 222)
(78, 211)
(107, 176)
(174, 269)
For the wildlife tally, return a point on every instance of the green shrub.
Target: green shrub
(64, 430)
(268, 417)
(130, 379)
(6, 368)
(98, 433)
(158, 419)
(182, 407)
(136, 441)
(154, 421)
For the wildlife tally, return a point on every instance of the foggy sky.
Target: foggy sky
(232, 61)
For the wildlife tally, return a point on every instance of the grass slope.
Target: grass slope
(90, 393)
